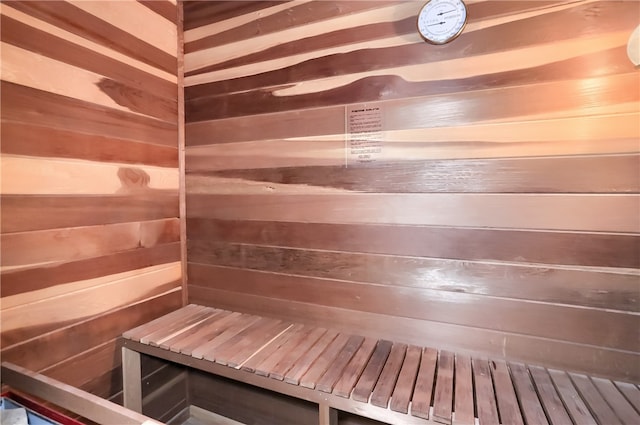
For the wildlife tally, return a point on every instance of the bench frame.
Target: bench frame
(328, 404)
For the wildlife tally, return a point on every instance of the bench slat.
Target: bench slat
(136, 333)
(169, 328)
(597, 404)
(331, 376)
(505, 394)
(372, 371)
(572, 400)
(463, 392)
(443, 398)
(404, 387)
(616, 400)
(421, 400)
(485, 396)
(257, 362)
(181, 327)
(207, 350)
(242, 338)
(250, 342)
(389, 376)
(531, 407)
(195, 330)
(280, 351)
(322, 363)
(302, 365)
(631, 393)
(211, 330)
(354, 369)
(285, 364)
(551, 402)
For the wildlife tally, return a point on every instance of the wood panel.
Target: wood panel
(502, 205)
(90, 219)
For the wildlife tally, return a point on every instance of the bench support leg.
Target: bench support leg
(328, 416)
(131, 380)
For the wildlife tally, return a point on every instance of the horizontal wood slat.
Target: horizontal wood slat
(22, 35)
(73, 19)
(607, 250)
(586, 174)
(70, 114)
(32, 140)
(519, 211)
(26, 213)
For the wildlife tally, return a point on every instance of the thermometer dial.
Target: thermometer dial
(440, 21)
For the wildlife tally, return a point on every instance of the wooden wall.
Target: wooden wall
(499, 214)
(90, 224)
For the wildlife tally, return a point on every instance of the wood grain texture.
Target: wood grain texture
(31, 140)
(536, 282)
(513, 211)
(66, 113)
(592, 174)
(504, 198)
(561, 248)
(430, 305)
(89, 108)
(73, 19)
(27, 213)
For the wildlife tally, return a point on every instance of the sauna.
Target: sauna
(322, 212)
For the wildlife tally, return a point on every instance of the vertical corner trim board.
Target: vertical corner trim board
(89, 196)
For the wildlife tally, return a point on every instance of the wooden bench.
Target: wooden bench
(378, 379)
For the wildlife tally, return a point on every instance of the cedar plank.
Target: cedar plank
(572, 400)
(597, 404)
(247, 338)
(443, 396)
(333, 374)
(551, 402)
(616, 400)
(485, 395)
(423, 393)
(505, 394)
(138, 332)
(354, 369)
(261, 342)
(282, 367)
(320, 366)
(406, 380)
(259, 362)
(239, 323)
(170, 327)
(389, 376)
(210, 330)
(631, 393)
(531, 407)
(188, 334)
(303, 363)
(463, 393)
(372, 371)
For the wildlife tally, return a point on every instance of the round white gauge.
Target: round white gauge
(440, 21)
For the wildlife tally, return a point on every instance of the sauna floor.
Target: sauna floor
(198, 416)
(424, 382)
